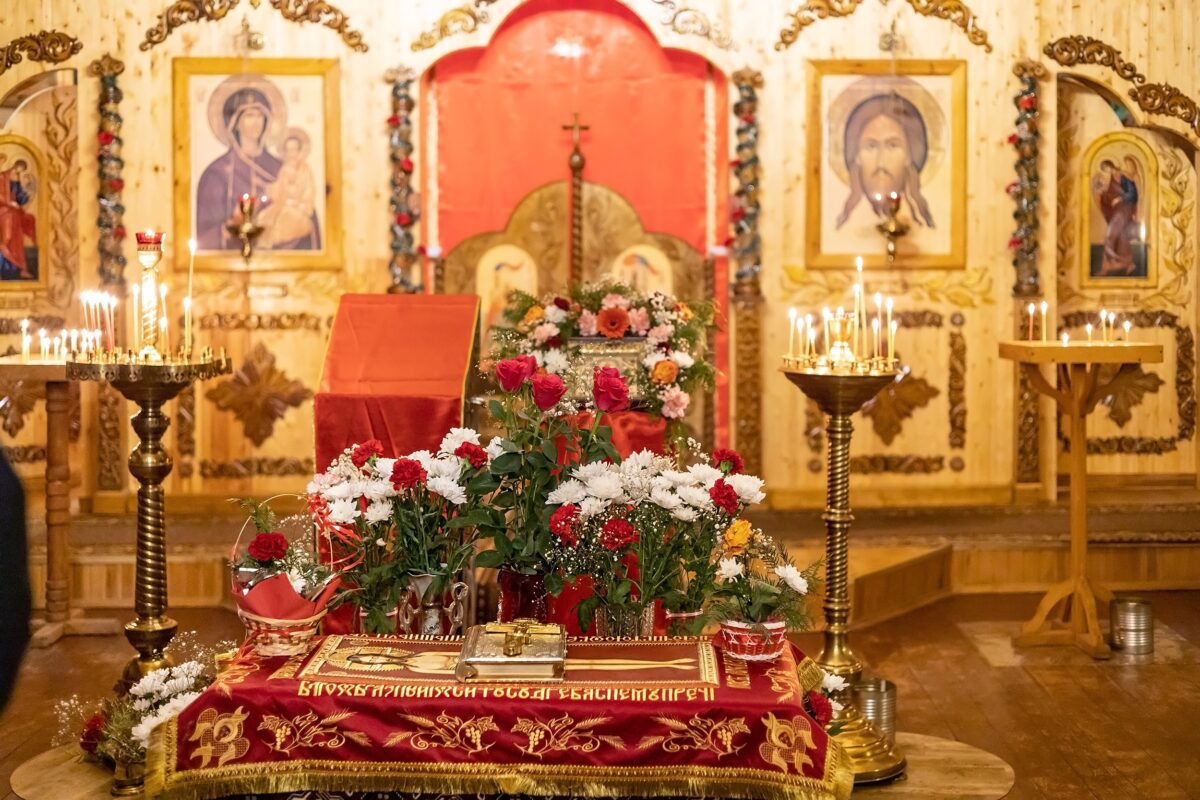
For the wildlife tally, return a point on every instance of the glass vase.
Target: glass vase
(522, 596)
(624, 622)
(682, 623)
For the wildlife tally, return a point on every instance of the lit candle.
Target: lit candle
(1103, 325)
(811, 352)
(825, 315)
(42, 343)
(1066, 338)
(26, 343)
(24, 327)
(164, 336)
(1045, 307)
(860, 319)
(187, 325)
(891, 353)
(1032, 308)
(74, 340)
(1088, 328)
(1127, 325)
(57, 351)
(137, 318)
(857, 316)
(877, 346)
(888, 304)
(791, 332)
(163, 325)
(875, 338)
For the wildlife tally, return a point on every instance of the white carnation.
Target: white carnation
(665, 499)
(343, 512)
(422, 457)
(682, 359)
(831, 683)
(445, 467)
(728, 569)
(455, 437)
(705, 475)
(748, 487)
(652, 359)
(589, 471)
(569, 491)
(375, 491)
(556, 362)
(553, 313)
(383, 468)
(695, 497)
(679, 478)
(605, 487)
(449, 489)
(792, 577)
(685, 514)
(379, 511)
(339, 491)
(641, 460)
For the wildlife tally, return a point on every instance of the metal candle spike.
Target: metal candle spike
(243, 227)
(892, 228)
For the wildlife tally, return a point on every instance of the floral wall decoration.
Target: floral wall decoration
(1024, 190)
(405, 203)
(743, 218)
(109, 164)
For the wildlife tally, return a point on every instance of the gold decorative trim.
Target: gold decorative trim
(181, 12)
(185, 431)
(110, 471)
(256, 468)
(259, 394)
(53, 47)
(957, 13)
(49, 322)
(1166, 100)
(896, 402)
(809, 13)
(1175, 241)
(63, 172)
(969, 288)
(1029, 426)
(240, 321)
(24, 454)
(902, 465)
(17, 399)
(105, 65)
(1070, 51)
(314, 11)
(464, 19)
(956, 392)
(693, 22)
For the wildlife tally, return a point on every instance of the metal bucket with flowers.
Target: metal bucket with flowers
(280, 586)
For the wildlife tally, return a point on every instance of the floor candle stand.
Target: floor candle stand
(59, 619)
(1068, 613)
(840, 395)
(149, 385)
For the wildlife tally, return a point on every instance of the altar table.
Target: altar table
(645, 718)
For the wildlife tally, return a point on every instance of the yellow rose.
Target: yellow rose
(664, 372)
(532, 316)
(685, 313)
(737, 537)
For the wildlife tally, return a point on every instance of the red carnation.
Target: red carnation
(548, 390)
(362, 453)
(747, 118)
(93, 731)
(609, 389)
(735, 163)
(738, 214)
(473, 453)
(617, 534)
(822, 709)
(1028, 102)
(105, 138)
(562, 523)
(406, 165)
(393, 121)
(562, 303)
(116, 184)
(404, 218)
(728, 461)
(554, 342)
(1014, 243)
(1012, 138)
(268, 547)
(725, 498)
(119, 232)
(513, 372)
(407, 473)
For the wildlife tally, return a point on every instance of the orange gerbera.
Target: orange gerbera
(664, 372)
(685, 312)
(612, 322)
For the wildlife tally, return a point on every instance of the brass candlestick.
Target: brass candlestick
(245, 229)
(891, 228)
(149, 385)
(839, 396)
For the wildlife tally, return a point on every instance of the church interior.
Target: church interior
(764, 399)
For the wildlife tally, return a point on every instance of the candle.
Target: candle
(875, 337)
(24, 326)
(162, 319)
(1031, 310)
(1045, 307)
(1127, 325)
(791, 332)
(1088, 328)
(137, 318)
(42, 343)
(26, 342)
(1103, 325)
(74, 340)
(811, 346)
(57, 352)
(825, 315)
(860, 309)
(877, 347)
(1066, 338)
(891, 354)
(187, 325)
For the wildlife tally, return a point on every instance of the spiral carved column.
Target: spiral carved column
(837, 656)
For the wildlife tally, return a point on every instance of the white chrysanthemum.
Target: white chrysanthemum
(685, 514)
(792, 577)
(376, 491)
(358, 487)
(831, 683)
(379, 511)
(455, 437)
(343, 512)
(495, 448)
(150, 683)
(569, 491)
(297, 581)
(748, 487)
(705, 475)
(339, 491)
(556, 362)
(589, 471)
(383, 468)
(553, 313)
(422, 457)
(664, 498)
(728, 569)
(142, 730)
(835, 705)
(445, 467)
(448, 488)
(682, 359)
(591, 506)
(653, 358)
(695, 496)
(678, 478)
(642, 459)
(606, 487)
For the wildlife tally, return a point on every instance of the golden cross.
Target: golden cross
(575, 127)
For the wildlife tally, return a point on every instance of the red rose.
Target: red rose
(393, 121)
(1027, 102)
(617, 534)
(822, 709)
(747, 118)
(724, 497)
(362, 453)
(407, 473)
(562, 303)
(513, 372)
(735, 163)
(1012, 138)
(609, 389)
(116, 184)
(268, 547)
(738, 214)
(93, 730)
(554, 342)
(119, 232)
(406, 165)
(473, 453)
(548, 390)
(729, 241)
(404, 218)
(105, 138)
(562, 523)
(1014, 243)
(728, 461)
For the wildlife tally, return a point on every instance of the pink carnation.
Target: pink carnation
(674, 402)
(614, 300)
(545, 332)
(587, 323)
(660, 333)
(639, 321)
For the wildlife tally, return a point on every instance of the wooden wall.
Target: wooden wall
(968, 309)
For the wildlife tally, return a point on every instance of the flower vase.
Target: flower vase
(127, 778)
(624, 622)
(522, 596)
(424, 613)
(361, 622)
(681, 623)
(750, 642)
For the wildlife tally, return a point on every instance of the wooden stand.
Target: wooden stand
(59, 619)
(1068, 613)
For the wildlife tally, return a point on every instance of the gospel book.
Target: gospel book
(522, 650)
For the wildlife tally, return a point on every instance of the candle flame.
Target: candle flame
(192, 246)
(792, 313)
(1066, 337)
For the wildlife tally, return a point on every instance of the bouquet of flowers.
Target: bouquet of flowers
(280, 587)
(673, 336)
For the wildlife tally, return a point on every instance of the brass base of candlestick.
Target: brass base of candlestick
(872, 758)
(149, 386)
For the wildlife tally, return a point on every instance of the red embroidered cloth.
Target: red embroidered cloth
(653, 718)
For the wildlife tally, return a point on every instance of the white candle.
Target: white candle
(791, 332)
(57, 352)
(1103, 325)
(1088, 328)
(74, 340)
(137, 318)
(187, 324)
(1066, 338)
(892, 341)
(165, 346)
(1045, 307)
(825, 315)
(1127, 325)
(860, 310)
(875, 338)
(811, 349)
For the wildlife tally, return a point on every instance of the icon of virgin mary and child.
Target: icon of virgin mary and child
(265, 159)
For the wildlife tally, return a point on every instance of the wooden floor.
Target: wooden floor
(1071, 728)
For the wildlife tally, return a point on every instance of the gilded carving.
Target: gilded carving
(110, 475)
(105, 65)
(563, 734)
(53, 47)
(1029, 426)
(316, 11)
(109, 166)
(258, 394)
(63, 172)
(239, 321)
(309, 731)
(957, 13)
(956, 391)
(698, 733)
(1025, 189)
(1125, 389)
(464, 19)
(747, 256)
(788, 742)
(900, 464)
(9, 325)
(969, 288)
(220, 737)
(182, 12)
(446, 731)
(256, 467)
(1176, 211)
(1072, 50)
(810, 12)
(1164, 99)
(693, 22)
(24, 454)
(898, 401)
(17, 399)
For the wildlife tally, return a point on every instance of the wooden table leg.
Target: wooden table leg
(1068, 613)
(59, 620)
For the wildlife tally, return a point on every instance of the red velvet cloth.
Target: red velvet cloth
(395, 370)
(654, 718)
